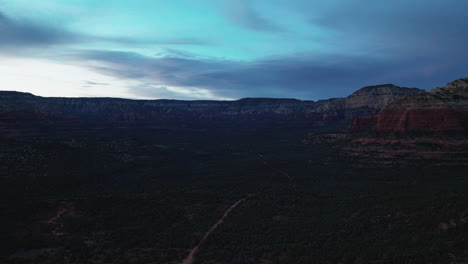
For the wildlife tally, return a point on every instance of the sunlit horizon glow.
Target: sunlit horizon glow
(228, 49)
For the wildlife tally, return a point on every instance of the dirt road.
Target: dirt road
(191, 256)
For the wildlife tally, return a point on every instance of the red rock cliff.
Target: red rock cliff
(441, 111)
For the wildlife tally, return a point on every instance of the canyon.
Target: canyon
(381, 109)
(106, 180)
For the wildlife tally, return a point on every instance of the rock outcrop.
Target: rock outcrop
(363, 123)
(371, 98)
(441, 111)
(367, 101)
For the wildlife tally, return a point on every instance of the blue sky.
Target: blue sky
(229, 49)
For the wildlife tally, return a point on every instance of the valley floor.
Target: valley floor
(156, 195)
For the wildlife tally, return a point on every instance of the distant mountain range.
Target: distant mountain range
(368, 100)
(386, 108)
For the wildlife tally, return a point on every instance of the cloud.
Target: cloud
(242, 13)
(167, 41)
(302, 76)
(17, 35)
(410, 43)
(21, 33)
(401, 28)
(178, 53)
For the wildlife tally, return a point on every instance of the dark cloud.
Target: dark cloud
(399, 28)
(302, 76)
(242, 13)
(18, 34)
(21, 33)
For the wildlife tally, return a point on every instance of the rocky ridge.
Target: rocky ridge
(366, 101)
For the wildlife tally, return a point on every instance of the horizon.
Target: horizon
(221, 100)
(228, 50)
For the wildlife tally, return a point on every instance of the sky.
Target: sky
(229, 49)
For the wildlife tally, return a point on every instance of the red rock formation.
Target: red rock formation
(442, 111)
(438, 121)
(363, 123)
(366, 101)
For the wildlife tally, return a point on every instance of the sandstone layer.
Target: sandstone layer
(441, 111)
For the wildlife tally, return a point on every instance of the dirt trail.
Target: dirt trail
(55, 221)
(64, 209)
(191, 256)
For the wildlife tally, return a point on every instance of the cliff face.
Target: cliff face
(370, 100)
(441, 111)
(377, 97)
(367, 101)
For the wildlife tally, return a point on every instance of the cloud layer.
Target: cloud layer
(301, 76)
(20, 33)
(322, 50)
